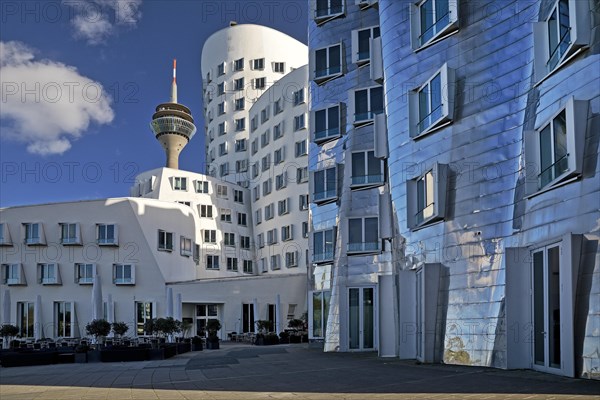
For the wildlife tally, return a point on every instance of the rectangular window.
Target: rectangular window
(69, 234)
(325, 185)
(304, 229)
(238, 65)
(291, 259)
(107, 234)
(221, 108)
(269, 211)
(320, 313)
(12, 274)
(165, 240)
(287, 232)
(238, 84)
(221, 69)
(245, 242)
(279, 155)
(275, 264)
(254, 147)
(366, 169)
(361, 44)
(326, 124)
(259, 83)
(232, 264)
(367, 103)
(4, 235)
(323, 245)
(221, 88)
(267, 186)
(426, 197)
(328, 9)
(64, 319)
(185, 246)
(180, 183)
(254, 123)
(212, 262)
(281, 181)
(48, 274)
(258, 216)
(431, 105)
(303, 202)
(258, 63)
(185, 203)
(302, 175)
(279, 67)
(283, 206)
(223, 149)
(242, 219)
(266, 162)
(299, 122)
(33, 233)
(240, 124)
(278, 131)
(300, 148)
(222, 191)
(229, 239)
(238, 196)
(328, 63)
(210, 236)
(224, 169)
(247, 265)
(225, 214)
(144, 311)
(123, 274)
(256, 191)
(196, 255)
(25, 319)
(221, 129)
(298, 97)
(84, 273)
(264, 139)
(260, 240)
(240, 145)
(201, 186)
(432, 20)
(363, 235)
(278, 106)
(239, 104)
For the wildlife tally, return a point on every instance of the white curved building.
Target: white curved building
(238, 64)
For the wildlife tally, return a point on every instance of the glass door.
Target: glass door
(361, 318)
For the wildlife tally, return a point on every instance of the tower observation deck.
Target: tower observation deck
(173, 125)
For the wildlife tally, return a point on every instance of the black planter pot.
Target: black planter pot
(93, 356)
(80, 358)
(212, 345)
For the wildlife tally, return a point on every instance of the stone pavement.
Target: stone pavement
(244, 372)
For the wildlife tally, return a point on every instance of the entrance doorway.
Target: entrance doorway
(361, 318)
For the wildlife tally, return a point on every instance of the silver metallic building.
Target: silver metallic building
(493, 133)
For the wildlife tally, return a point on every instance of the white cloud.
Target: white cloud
(96, 20)
(47, 104)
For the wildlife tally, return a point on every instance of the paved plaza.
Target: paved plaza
(246, 372)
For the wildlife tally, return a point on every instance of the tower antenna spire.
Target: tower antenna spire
(174, 84)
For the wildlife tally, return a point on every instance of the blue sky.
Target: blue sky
(80, 80)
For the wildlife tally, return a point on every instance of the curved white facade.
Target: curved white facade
(244, 44)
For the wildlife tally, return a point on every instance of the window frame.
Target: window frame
(84, 279)
(107, 241)
(209, 236)
(331, 133)
(320, 19)
(163, 243)
(363, 247)
(123, 281)
(326, 257)
(356, 55)
(366, 181)
(184, 249)
(329, 195)
(416, 31)
(370, 114)
(43, 269)
(214, 262)
(321, 78)
(438, 206)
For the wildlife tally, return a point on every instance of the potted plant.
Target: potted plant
(119, 328)
(212, 340)
(81, 353)
(8, 331)
(196, 343)
(98, 328)
(263, 327)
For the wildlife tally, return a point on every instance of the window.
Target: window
(326, 10)
(222, 129)
(238, 84)
(302, 175)
(240, 124)
(144, 311)
(278, 131)
(185, 203)
(258, 216)
(196, 255)
(264, 115)
(279, 155)
(84, 273)
(185, 246)
(287, 232)
(269, 211)
(238, 196)
(201, 186)
(222, 191)
(239, 104)
(303, 202)
(245, 242)
(254, 123)
(323, 244)
(224, 169)
(180, 183)
(241, 166)
(299, 122)
(361, 48)
(225, 214)
(12, 274)
(260, 240)
(264, 139)
(326, 125)
(238, 65)
(229, 239)
(256, 191)
(279, 67)
(258, 63)
(221, 108)
(5, 235)
(107, 234)
(240, 145)
(232, 264)
(291, 259)
(283, 206)
(363, 235)
(320, 312)
(300, 148)
(254, 147)
(554, 152)
(264, 267)
(242, 219)
(221, 88)
(247, 267)
(212, 262)
(565, 31)
(431, 106)
(259, 83)
(64, 319)
(25, 319)
(267, 186)
(222, 149)
(275, 264)
(210, 236)
(266, 162)
(324, 185)
(48, 274)
(278, 106)
(432, 20)
(367, 103)
(165, 240)
(69, 234)
(123, 274)
(221, 69)
(281, 181)
(34, 233)
(304, 229)
(427, 197)
(298, 97)
(328, 63)
(367, 171)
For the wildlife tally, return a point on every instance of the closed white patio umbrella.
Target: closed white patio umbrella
(178, 312)
(6, 307)
(277, 313)
(110, 312)
(37, 318)
(97, 309)
(169, 302)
